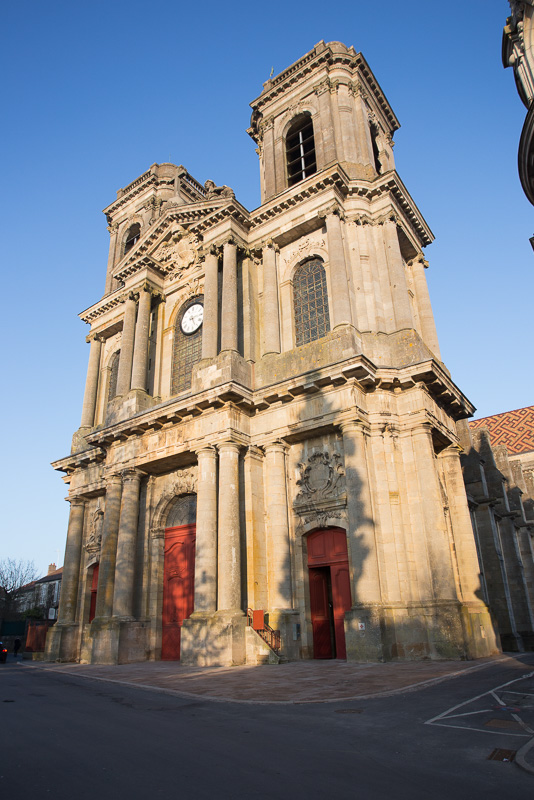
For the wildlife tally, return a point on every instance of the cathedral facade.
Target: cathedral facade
(268, 465)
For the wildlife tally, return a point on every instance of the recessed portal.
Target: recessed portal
(328, 565)
(178, 587)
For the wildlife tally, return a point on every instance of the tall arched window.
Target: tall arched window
(187, 347)
(310, 299)
(132, 237)
(300, 150)
(114, 371)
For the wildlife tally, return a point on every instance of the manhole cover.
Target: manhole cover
(503, 723)
(502, 755)
(349, 710)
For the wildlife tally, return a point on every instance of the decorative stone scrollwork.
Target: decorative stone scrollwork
(321, 479)
(94, 541)
(179, 252)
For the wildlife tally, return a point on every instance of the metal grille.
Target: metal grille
(187, 350)
(300, 151)
(312, 320)
(114, 367)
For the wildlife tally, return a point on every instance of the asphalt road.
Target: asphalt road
(73, 737)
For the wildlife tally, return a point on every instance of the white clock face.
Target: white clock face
(192, 319)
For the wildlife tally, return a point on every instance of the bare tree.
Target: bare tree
(14, 575)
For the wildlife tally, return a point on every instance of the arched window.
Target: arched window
(310, 298)
(187, 347)
(300, 150)
(132, 237)
(183, 511)
(114, 371)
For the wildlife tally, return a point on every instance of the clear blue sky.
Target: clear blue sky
(95, 92)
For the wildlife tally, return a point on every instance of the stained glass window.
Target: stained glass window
(312, 320)
(187, 350)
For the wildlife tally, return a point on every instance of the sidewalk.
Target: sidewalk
(294, 682)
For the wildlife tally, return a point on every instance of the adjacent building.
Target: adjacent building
(268, 463)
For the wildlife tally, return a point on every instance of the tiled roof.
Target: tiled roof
(513, 429)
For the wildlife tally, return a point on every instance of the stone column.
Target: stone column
(270, 309)
(426, 316)
(229, 551)
(211, 305)
(123, 589)
(340, 305)
(68, 600)
(279, 554)
(439, 550)
(229, 297)
(140, 354)
(113, 231)
(127, 345)
(361, 533)
(206, 533)
(91, 384)
(397, 277)
(106, 573)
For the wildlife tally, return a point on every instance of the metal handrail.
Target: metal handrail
(268, 634)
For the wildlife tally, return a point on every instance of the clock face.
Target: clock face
(192, 319)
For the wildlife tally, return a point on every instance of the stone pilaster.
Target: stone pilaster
(340, 306)
(106, 573)
(211, 305)
(426, 316)
(279, 564)
(229, 297)
(71, 570)
(140, 353)
(113, 231)
(91, 384)
(397, 277)
(270, 306)
(127, 347)
(123, 589)
(362, 644)
(229, 549)
(439, 550)
(206, 533)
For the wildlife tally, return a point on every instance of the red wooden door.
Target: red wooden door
(330, 595)
(178, 587)
(320, 613)
(94, 587)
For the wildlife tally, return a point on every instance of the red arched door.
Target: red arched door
(94, 587)
(178, 586)
(328, 566)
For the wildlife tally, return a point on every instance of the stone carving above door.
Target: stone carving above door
(322, 479)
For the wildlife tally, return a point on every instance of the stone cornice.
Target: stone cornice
(79, 460)
(111, 301)
(323, 55)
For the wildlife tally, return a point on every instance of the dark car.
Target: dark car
(3, 653)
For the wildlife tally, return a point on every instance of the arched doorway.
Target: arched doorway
(178, 573)
(328, 567)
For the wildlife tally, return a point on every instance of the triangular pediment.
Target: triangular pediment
(175, 239)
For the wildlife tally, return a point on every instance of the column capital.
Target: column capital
(453, 450)
(229, 447)
(332, 210)
(276, 447)
(354, 426)
(95, 337)
(113, 480)
(206, 450)
(131, 474)
(254, 452)
(76, 502)
(230, 241)
(422, 429)
(269, 244)
(419, 259)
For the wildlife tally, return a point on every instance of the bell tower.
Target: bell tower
(325, 109)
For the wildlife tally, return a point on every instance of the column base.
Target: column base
(480, 631)
(215, 640)
(228, 366)
(62, 643)
(125, 406)
(79, 441)
(116, 641)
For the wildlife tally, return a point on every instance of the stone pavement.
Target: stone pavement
(294, 682)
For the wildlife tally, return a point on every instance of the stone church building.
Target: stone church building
(268, 463)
